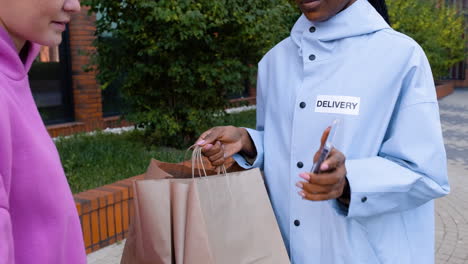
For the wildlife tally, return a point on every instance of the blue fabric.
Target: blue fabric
(392, 139)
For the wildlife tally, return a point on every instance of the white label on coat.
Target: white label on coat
(346, 105)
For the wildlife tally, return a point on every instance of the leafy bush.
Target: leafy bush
(439, 30)
(178, 60)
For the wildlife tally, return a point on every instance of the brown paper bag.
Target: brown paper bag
(222, 219)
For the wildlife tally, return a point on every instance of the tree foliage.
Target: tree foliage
(438, 29)
(176, 61)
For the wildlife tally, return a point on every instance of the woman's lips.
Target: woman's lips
(59, 25)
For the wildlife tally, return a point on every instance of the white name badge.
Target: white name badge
(333, 104)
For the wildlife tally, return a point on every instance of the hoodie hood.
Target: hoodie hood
(358, 19)
(11, 64)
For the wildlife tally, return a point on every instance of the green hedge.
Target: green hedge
(177, 60)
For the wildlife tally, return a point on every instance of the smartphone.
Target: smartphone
(325, 152)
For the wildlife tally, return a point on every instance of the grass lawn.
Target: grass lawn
(91, 161)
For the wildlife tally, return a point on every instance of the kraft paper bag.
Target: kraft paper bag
(218, 219)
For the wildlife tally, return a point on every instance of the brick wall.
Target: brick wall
(87, 98)
(105, 213)
(86, 91)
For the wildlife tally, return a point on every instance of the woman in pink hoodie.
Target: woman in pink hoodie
(38, 219)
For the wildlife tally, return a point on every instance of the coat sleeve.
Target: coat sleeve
(411, 167)
(256, 134)
(6, 234)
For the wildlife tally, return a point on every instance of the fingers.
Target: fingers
(314, 188)
(218, 163)
(212, 149)
(216, 156)
(217, 159)
(328, 184)
(214, 153)
(320, 196)
(229, 136)
(329, 178)
(325, 134)
(323, 140)
(335, 160)
(315, 192)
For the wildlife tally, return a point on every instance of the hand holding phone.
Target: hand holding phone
(331, 183)
(327, 147)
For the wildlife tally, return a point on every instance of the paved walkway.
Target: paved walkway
(108, 255)
(451, 211)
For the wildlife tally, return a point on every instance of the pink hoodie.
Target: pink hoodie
(39, 222)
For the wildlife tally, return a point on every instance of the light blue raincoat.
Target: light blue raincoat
(379, 82)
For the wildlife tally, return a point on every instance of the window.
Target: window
(50, 79)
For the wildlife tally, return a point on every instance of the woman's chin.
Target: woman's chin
(53, 39)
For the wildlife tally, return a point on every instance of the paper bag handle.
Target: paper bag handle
(197, 158)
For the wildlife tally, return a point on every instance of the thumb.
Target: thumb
(323, 140)
(325, 134)
(208, 137)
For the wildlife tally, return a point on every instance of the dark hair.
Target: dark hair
(381, 7)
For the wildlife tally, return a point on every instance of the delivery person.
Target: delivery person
(372, 202)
